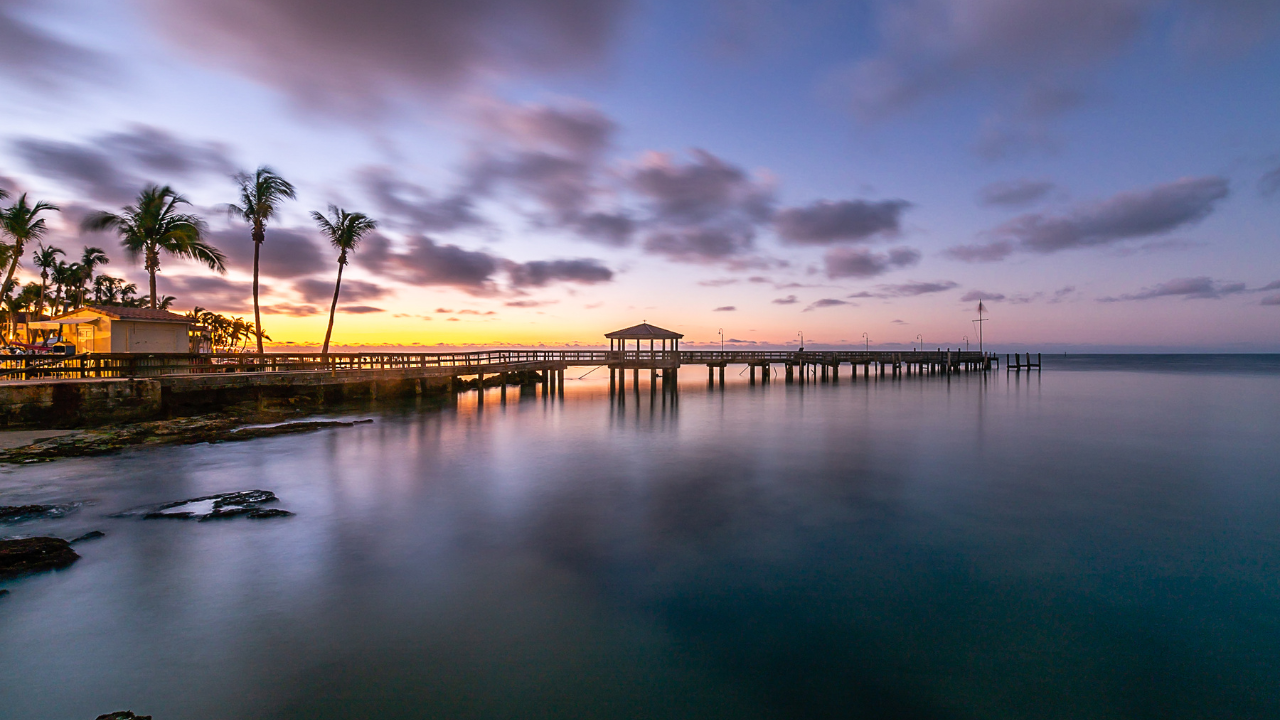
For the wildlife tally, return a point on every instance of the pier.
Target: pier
(107, 387)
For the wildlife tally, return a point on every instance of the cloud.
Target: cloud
(1269, 286)
(412, 207)
(980, 295)
(85, 170)
(112, 168)
(575, 129)
(725, 308)
(350, 58)
(1270, 300)
(553, 154)
(1269, 183)
(321, 291)
(31, 55)
(701, 245)
(788, 300)
(910, 289)
(208, 291)
(862, 263)
(718, 282)
(1124, 216)
(702, 190)
(899, 322)
(530, 303)
(932, 47)
(825, 302)
(1015, 193)
(360, 309)
(424, 262)
(825, 222)
(285, 253)
(539, 273)
(291, 310)
(1192, 288)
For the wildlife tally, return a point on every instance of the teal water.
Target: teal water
(1101, 540)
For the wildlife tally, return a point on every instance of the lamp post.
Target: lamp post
(866, 339)
(721, 331)
(921, 341)
(966, 343)
(801, 334)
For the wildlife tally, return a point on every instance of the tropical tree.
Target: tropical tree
(45, 258)
(260, 196)
(62, 274)
(18, 303)
(22, 223)
(90, 259)
(344, 231)
(155, 225)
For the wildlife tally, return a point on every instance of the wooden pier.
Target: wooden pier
(39, 390)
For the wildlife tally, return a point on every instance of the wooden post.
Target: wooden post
(722, 375)
(751, 373)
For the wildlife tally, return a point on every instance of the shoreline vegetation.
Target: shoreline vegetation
(153, 227)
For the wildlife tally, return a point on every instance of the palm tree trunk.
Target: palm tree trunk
(153, 265)
(333, 308)
(8, 278)
(258, 236)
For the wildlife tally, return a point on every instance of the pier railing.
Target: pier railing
(126, 365)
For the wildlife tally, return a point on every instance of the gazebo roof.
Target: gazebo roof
(643, 331)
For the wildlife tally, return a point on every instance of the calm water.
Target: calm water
(1101, 541)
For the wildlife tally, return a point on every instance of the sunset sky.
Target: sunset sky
(1105, 173)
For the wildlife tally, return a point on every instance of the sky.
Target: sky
(1103, 174)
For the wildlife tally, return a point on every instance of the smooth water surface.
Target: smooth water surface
(1100, 540)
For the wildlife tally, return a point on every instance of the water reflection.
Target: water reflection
(1077, 544)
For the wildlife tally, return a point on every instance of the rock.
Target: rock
(247, 503)
(19, 513)
(91, 535)
(3, 593)
(28, 555)
(123, 715)
(269, 513)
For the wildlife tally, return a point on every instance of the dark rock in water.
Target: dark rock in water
(269, 513)
(169, 516)
(91, 535)
(28, 555)
(3, 593)
(245, 503)
(123, 715)
(18, 513)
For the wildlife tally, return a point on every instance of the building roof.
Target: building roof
(128, 313)
(643, 331)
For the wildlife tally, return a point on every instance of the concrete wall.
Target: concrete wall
(74, 403)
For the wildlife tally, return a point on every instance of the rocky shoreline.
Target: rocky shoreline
(213, 428)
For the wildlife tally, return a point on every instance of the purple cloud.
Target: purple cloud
(824, 303)
(725, 308)
(1124, 216)
(350, 57)
(1015, 193)
(1192, 288)
(825, 222)
(862, 263)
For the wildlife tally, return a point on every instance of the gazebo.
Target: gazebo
(644, 331)
(663, 353)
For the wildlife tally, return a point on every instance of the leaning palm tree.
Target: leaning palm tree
(22, 223)
(155, 225)
(45, 258)
(344, 230)
(260, 196)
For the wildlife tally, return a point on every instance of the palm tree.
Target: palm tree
(155, 225)
(344, 230)
(45, 258)
(20, 221)
(90, 259)
(260, 197)
(62, 275)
